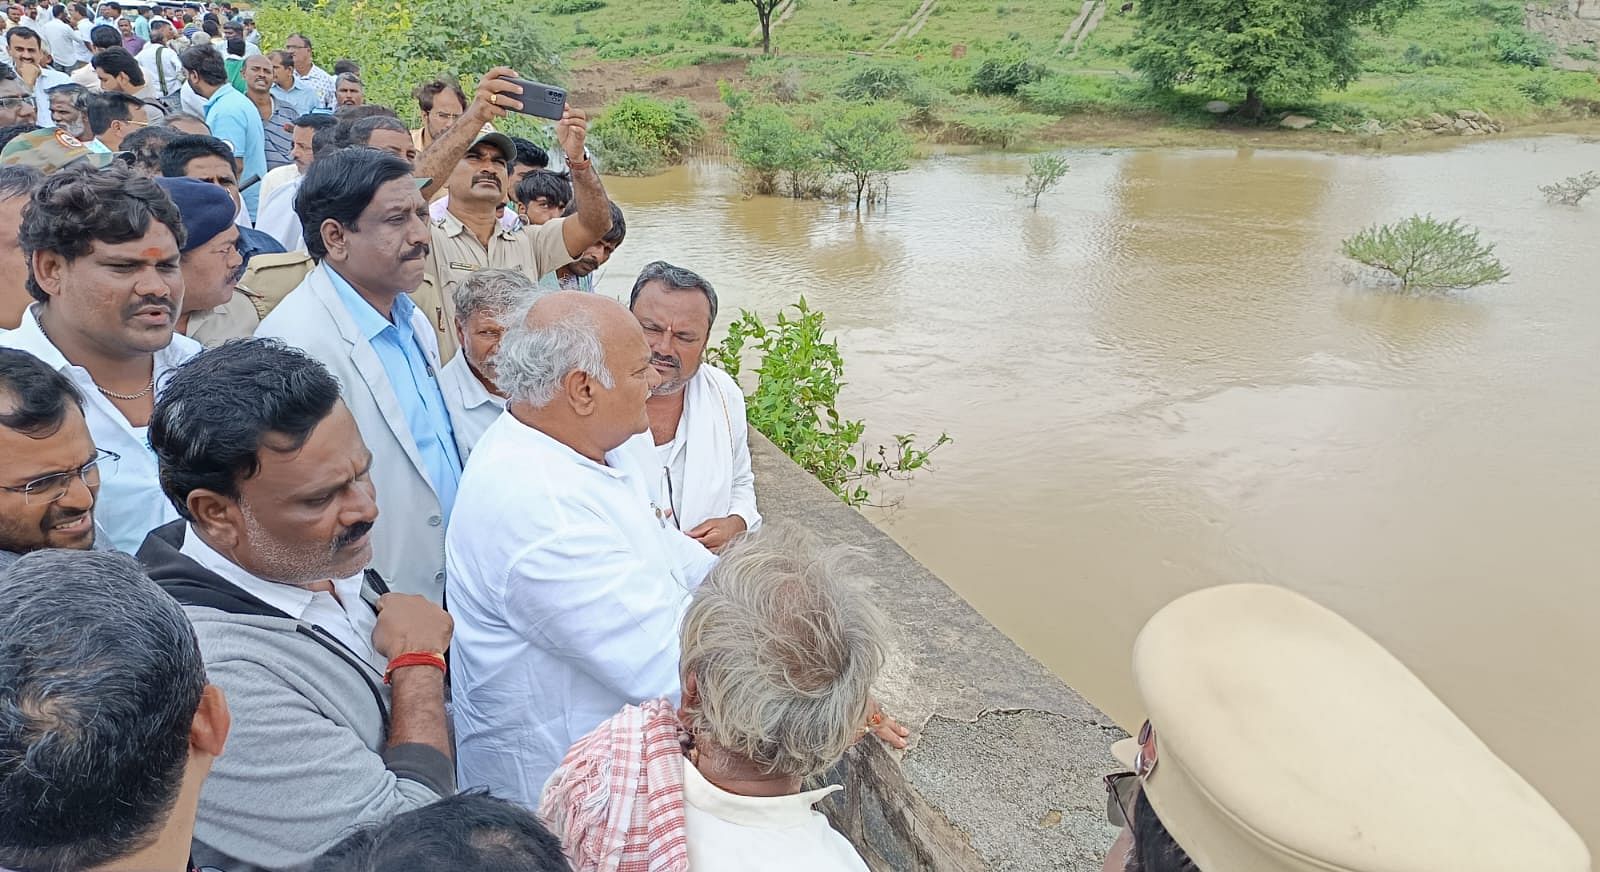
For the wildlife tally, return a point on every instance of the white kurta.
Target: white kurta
(472, 407)
(709, 458)
(567, 586)
(130, 503)
(731, 833)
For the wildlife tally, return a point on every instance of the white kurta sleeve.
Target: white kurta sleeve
(587, 598)
(742, 496)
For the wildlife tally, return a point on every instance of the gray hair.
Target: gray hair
(494, 291)
(675, 278)
(176, 118)
(533, 359)
(350, 78)
(784, 651)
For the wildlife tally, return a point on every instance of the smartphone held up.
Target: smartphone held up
(537, 99)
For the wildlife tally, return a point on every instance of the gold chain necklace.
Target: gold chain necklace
(113, 394)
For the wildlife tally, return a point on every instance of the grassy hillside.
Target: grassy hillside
(1447, 55)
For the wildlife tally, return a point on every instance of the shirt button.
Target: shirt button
(434, 520)
(439, 576)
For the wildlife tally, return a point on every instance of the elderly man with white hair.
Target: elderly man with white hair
(567, 583)
(696, 413)
(780, 649)
(484, 303)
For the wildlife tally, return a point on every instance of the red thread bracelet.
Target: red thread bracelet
(415, 658)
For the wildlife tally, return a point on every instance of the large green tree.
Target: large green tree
(1269, 49)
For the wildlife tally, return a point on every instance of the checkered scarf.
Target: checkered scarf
(616, 801)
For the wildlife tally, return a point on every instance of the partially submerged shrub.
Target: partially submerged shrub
(1573, 189)
(1425, 254)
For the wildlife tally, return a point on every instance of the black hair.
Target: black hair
(22, 31)
(36, 394)
(209, 422)
(18, 181)
(104, 36)
(100, 679)
(105, 107)
(345, 65)
(619, 227)
(117, 60)
(361, 131)
(553, 187)
(340, 186)
(79, 205)
(12, 131)
(432, 88)
(471, 830)
(205, 62)
(678, 279)
(1154, 849)
(145, 145)
(529, 154)
(176, 156)
(58, 11)
(328, 138)
(316, 120)
(210, 28)
(352, 114)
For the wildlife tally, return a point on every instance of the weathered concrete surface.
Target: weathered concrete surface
(1005, 764)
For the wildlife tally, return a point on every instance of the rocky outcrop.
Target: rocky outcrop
(1462, 122)
(1573, 26)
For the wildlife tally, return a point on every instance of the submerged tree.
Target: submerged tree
(1270, 49)
(1045, 171)
(1426, 254)
(862, 141)
(1572, 190)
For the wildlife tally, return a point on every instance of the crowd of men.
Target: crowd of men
(343, 527)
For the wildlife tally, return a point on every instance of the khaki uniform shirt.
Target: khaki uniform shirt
(235, 319)
(457, 254)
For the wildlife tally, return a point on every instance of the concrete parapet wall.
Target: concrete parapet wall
(1005, 764)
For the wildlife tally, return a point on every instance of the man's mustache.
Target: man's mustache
(489, 177)
(58, 516)
(669, 360)
(417, 252)
(149, 302)
(351, 534)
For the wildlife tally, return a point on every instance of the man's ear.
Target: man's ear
(216, 516)
(48, 267)
(208, 733)
(580, 392)
(333, 238)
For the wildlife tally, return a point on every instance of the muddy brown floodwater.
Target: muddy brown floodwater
(1163, 380)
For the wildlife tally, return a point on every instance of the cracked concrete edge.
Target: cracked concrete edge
(946, 663)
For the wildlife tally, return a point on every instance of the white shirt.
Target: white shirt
(277, 218)
(347, 618)
(63, 42)
(707, 463)
(48, 79)
(726, 832)
(567, 587)
(153, 70)
(472, 407)
(278, 176)
(130, 503)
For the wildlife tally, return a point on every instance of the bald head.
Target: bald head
(577, 368)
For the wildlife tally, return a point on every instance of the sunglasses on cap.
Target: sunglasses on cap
(1122, 788)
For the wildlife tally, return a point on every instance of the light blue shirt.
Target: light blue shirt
(141, 27)
(235, 120)
(415, 384)
(300, 98)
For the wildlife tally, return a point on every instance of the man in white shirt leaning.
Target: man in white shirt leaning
(567, 584)
(108, 284)
(696, 413)
(484, 304)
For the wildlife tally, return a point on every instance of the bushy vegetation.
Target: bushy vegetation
(797, 151)
(1423, 253)
(402, 45)
(863, 141)
(780, 152)
(1005, 74)
(1045, 171)
(795, 404)
(638, 135)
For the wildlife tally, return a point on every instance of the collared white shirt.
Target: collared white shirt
(48, 78)
(130, 503)
(347, 618)
(472, 407)
(567, 587)
(731, 833)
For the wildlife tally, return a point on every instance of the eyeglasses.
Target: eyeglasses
(49, 488)
(11, 102)
(1122, 788)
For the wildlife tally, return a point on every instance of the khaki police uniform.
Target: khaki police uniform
(1281, 738)
(234, 319)
(457, 254)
